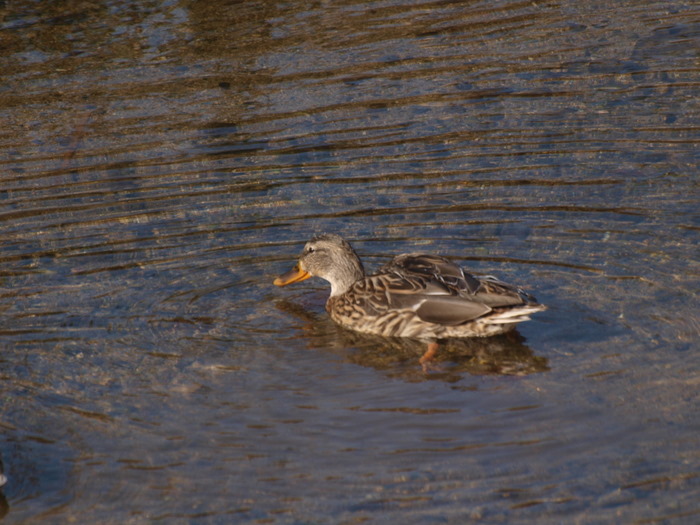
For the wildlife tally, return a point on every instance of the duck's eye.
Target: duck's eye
(310, 249)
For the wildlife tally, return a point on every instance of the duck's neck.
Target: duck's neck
(347, 273)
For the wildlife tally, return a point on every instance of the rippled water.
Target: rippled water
(160, 163)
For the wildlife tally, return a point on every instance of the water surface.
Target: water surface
(160, 164)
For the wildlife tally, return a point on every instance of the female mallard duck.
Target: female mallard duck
(420, 296)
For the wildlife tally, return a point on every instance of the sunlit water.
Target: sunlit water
(160, 164)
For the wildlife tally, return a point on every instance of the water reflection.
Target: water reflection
(399, 357)
(158, 159)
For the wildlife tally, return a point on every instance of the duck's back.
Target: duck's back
(454, 279)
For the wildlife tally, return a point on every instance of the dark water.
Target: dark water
(160, 163)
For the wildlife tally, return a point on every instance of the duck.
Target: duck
(414, 295)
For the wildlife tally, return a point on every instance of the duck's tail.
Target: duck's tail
(514, 315)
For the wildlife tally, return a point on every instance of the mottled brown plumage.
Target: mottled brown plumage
(414, 295)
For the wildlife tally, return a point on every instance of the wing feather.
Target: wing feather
(439, 291)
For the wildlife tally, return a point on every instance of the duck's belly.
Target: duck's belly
(405, 323)
(396, 323)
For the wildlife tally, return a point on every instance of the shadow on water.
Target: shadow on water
(4, 506)
(399, 357)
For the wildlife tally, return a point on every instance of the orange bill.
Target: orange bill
(294, 275)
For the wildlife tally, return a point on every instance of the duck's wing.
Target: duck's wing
(439, 291)
(493, 289)
(433, 268)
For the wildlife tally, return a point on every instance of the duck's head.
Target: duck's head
(329, 257)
